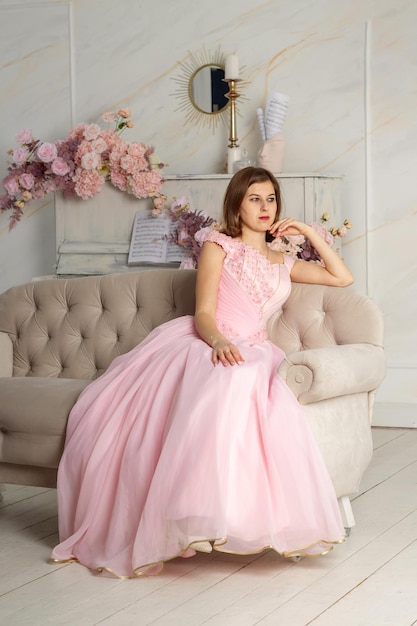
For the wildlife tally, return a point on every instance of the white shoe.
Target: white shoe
(202, 546)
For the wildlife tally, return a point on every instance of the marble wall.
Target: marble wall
(349, 69)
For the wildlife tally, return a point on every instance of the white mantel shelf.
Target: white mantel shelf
(229, 176)
(93, 236)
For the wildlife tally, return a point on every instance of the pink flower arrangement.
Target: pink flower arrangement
(189, 225)
(79, 165)
(299, 247)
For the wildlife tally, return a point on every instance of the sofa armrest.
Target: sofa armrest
(6, 355)
(322, 373)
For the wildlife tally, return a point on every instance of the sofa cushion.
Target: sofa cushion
(33, 418)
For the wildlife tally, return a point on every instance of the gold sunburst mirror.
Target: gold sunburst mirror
(201, 89)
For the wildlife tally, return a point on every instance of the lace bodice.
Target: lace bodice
(266, 284)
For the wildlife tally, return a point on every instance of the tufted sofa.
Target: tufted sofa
(58, 335)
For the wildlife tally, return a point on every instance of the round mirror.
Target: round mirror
(201, 89)
(207, 89)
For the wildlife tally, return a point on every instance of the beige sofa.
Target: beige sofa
(58, 335)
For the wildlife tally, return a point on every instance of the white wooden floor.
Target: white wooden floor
(371, 580)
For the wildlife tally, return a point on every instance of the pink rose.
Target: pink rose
(109, 117)
(26, 181)
(60, 167)
(24, 136)
(90, 161)
(20, 155)
(11, 186)
(342, 231)
(47, 152)
(92, 131)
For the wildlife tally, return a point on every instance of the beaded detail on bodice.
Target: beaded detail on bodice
(267, 285)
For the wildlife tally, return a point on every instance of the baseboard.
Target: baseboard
(395, 414)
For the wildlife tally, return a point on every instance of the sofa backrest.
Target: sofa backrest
(74, 328)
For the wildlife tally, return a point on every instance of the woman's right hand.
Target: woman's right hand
(226, 353)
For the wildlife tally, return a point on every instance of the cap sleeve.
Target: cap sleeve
(221, 239)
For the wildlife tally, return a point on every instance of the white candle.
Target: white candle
(231, 70)
(233, 155)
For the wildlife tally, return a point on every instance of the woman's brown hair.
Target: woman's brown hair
(236, 191)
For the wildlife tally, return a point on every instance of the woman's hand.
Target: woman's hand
(289, 226)
(226, 353)
(334, 272)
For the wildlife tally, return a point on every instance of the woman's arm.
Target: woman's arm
(209, 270)
(333, 273)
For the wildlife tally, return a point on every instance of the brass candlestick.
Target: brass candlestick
(232, 95)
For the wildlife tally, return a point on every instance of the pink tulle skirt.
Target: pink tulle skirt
(165, 451)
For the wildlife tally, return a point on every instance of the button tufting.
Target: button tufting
(299, 378)
(3, 429)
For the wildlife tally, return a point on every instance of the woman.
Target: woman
(191, 441)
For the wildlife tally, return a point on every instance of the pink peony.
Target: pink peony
(60, 167)
(92, 131)
(24, 136)
(20, 156)
(90, 161)
(26, 181)
(99, 145)
(78, 131)
(128, 163)
(88, 183)
(46, 152)
(118, 178)
(137, 149)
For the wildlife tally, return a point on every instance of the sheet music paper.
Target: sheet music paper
(149, 240)
(275, 113)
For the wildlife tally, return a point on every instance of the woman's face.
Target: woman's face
(259, 206)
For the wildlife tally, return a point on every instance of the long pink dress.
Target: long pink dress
(165, 449)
